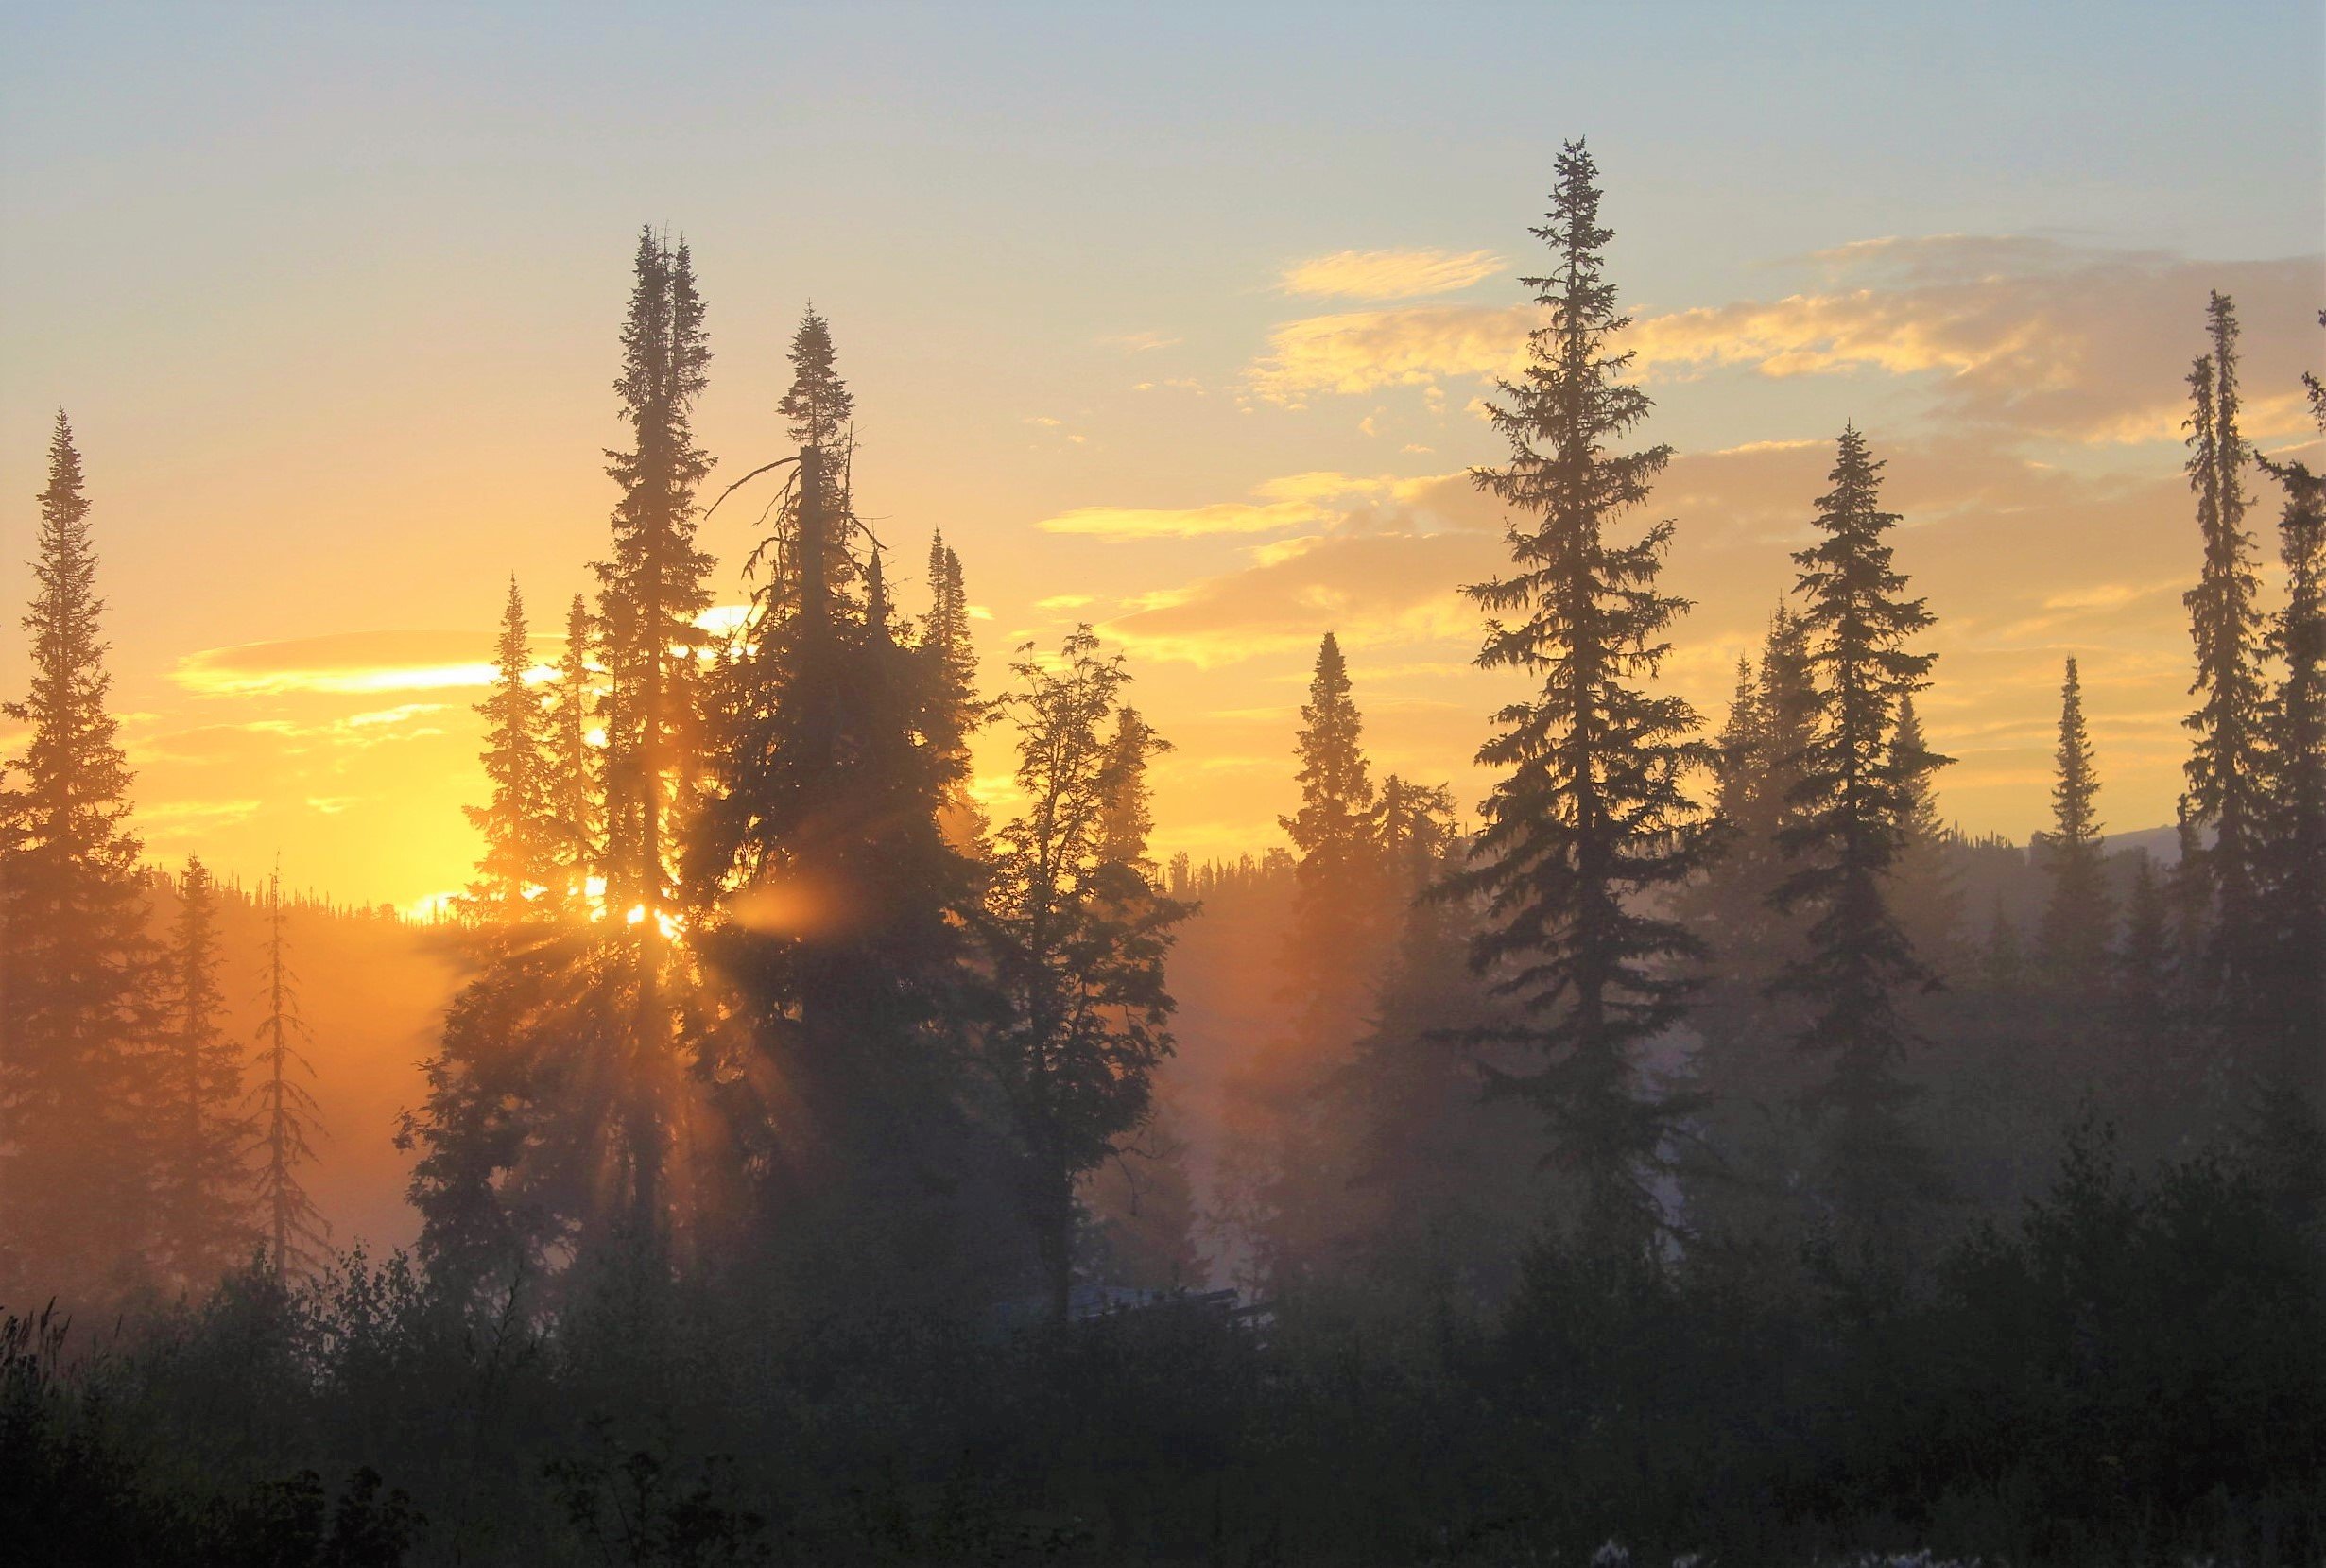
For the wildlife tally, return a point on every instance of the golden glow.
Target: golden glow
(1391, 274)
(434, 908)
(664, 921)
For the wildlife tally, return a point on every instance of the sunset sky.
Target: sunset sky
(1173, 322)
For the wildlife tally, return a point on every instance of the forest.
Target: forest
(1698, 1148)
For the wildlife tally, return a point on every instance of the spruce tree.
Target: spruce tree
(1928, 883)
(954, 712)
(78, 1016)
(286, 1114)
(654, 587)
(201, 1133)
(1077, 944)
(1293, 1155)
(1127, 814)
(1852, 805)
(568, 1067)
(2078, 916)
(832, 896)
(1144, 1203)
(1745, 1150)
(1427, 1182)
(945, 633)
(1335, 938)
(651, 592)
(2226, 767)
(1590, 819)
(520, 864)
(570, 797)
(820, 411)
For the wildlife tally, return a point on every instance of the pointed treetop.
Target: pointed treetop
(818, 404)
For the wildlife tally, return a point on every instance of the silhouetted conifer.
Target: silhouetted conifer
(1591, 817)
(1927, 885)
(1336, 935)
(1853, 800)
(651, 592)
(1433, 1186)
(654, 587)
(1077, 942)
(200, 1130)
(74, 1177)
(820, 412)
(1748, 1152)
(522, 861)
(570, 796)
(1126, 812)
(829, 895)
(2226, 767)
(2079, 916)
(284, 1110)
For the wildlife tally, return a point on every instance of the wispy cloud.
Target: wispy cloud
(1389, 274)
(1358, 351)
(2042, 337)
(1316, 498)
(1139, 343)
(353, 663)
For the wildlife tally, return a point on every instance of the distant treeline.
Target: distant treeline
(1711, 1148)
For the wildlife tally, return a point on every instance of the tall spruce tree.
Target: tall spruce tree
(945, 633)
(201, 1132)
(1853, 806)
(285, 1113)
(1143, 1204)
(2078, 921)
(654, 587)
(1077, 944)
(1428, 1183)
(1126, 812)
(570, 796)
(565, 1077)
(834, 897)
(820, 412)
(1928, 884)
(1591, 816)
(651, 592)
(520, 868)
(1747, 1148)
(1337, 936)
(2226, 767)
(75, 1211)
(954, 712)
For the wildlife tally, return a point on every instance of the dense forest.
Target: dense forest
(1699, 1148)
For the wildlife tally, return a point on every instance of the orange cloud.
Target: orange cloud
(1358, 352)
(2048, 340)
(1390, 274)
(351, 662)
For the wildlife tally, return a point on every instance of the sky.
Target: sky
(1174, 320)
